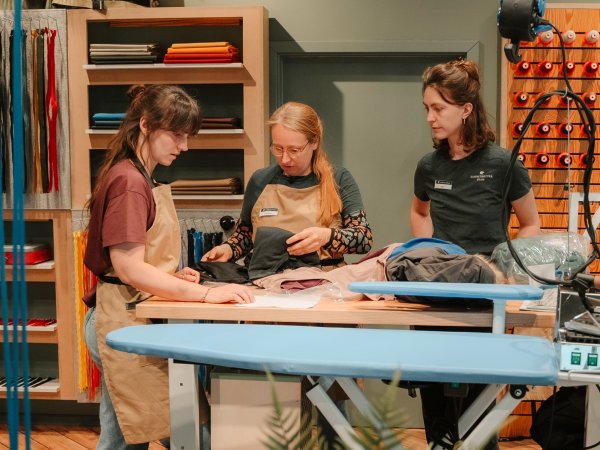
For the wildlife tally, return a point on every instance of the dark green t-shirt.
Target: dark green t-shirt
(347, 187)
(466, 195)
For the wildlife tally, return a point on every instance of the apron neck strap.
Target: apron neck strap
(139, 166)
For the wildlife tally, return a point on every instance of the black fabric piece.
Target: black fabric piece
(270, 254)
(331, 262)
(559, 423)
(27, 143)
(226, 272)
(434, 264)
(190, 247)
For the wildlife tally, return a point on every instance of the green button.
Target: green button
(576, 358)
(592, 359)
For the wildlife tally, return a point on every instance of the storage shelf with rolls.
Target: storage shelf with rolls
(242, 86)
(51, 340)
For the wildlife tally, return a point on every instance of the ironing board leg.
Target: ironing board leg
(183, 393)
(357, 397)
(183, 403)
(332, 414)
(478, 407)
(492, 421)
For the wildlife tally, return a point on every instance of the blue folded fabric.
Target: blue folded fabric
(448, 247)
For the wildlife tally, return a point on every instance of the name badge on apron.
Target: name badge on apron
(265, 212)
(442, 184)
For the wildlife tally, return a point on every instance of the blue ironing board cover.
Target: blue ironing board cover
(449, 290)
(350, 352)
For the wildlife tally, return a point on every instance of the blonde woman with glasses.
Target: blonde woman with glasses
(303, 193)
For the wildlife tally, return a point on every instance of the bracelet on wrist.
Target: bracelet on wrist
(205, 294)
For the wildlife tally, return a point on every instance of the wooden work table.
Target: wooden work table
(356, 312)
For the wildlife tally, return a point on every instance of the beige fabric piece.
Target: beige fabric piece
(138, 385)
(296, 209)
(372, 269)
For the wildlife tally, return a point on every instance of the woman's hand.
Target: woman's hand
(220, 253)
(188, 274)
(229, 293)
(308, 240)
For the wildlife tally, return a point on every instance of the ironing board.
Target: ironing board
(343, 353)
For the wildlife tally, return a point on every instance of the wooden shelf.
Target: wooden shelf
(35, 336)
(34, 273)
(57, 271)
(201, 132)
(250, 26)
(50, 389)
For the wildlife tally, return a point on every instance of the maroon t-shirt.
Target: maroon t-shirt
(123, 212)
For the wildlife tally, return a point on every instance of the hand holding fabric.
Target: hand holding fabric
(308, 240)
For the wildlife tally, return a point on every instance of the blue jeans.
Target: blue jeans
(111, 437)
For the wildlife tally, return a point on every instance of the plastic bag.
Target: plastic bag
(567, 251)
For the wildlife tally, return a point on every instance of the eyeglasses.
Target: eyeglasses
(293, 152)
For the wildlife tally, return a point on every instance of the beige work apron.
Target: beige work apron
(293, 210)
(138, 385)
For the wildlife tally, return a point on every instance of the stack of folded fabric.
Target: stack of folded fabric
(228, 123)
(123, 53)
(225, 186)
(201, 52)
(107, 121)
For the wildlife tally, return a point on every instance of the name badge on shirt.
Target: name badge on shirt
(442, 184)
(265, 212)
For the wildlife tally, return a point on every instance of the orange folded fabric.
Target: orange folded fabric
(200, 44)
(198, 55)
(203, 50)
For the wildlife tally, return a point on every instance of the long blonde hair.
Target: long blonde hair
(304, 119)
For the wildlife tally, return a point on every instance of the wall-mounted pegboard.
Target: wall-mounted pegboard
(554, 146)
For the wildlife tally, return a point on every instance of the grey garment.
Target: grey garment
(466, 195)
(270, 254)
(111, 437)
(433, 264)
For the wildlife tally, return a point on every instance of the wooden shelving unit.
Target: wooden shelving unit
(251, 74)
(59, 273)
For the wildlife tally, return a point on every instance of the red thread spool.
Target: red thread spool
(585, 130)
(589, 98)
(544, 67)
(591, 37)
(521, 98)
(541, 159)
(521, 157)
(564, 100)
(517, 128)
(569, 37)
(563, 160)
(569, 66)
(590, 68)
(583, 158)
(564, 129)
(523, 67)
(546, 37)
(543, 129)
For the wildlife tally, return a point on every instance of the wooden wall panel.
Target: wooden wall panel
(545, 140)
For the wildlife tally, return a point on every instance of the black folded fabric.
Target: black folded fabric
(270, 254)
(226, 272)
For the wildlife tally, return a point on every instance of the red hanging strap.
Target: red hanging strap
(51, 114)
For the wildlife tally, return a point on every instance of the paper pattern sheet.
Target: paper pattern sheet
(297, 301)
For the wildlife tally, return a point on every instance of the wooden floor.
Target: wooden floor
(54, 437)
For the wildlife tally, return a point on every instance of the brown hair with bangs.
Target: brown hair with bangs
(458, 83)
(165, 107)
